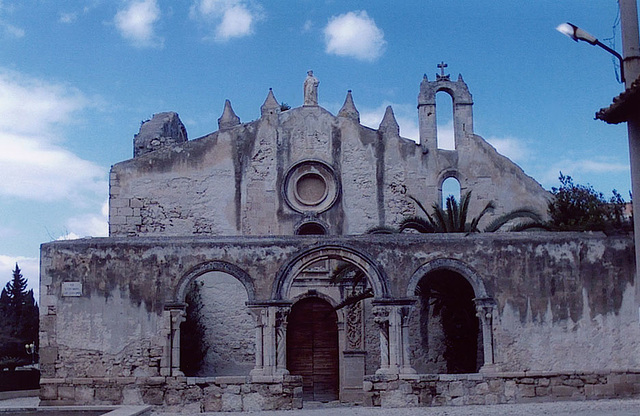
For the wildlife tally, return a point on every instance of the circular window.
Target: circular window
(311, 189)
(310, 186)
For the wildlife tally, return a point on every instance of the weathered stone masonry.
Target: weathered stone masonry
(271, 208)
(583, 308)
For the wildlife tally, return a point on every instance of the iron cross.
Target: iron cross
(442, 66)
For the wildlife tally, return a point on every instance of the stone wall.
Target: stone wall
(180, 394)
(498, 388)
(564, 302)
(232, 181)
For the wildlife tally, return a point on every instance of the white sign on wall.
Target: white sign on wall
(71, 289)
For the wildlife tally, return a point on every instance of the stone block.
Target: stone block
(456, 389)
(84, 395)
(367, 386)
(135, 203)
(475, 399)
(563, 391)
(235, 389)
(491, 399)
(396, 398)
(526, 380)
(542, 391)
(110, 395)
(66, 393)
(574, 382)
(131, 395)
(623, 389)
(212, 404)
(48, 391)
(173, 397)
(252, 402)
(482, 388)
(48, 355)
(153, 395)
(526, 390)
(231, 402)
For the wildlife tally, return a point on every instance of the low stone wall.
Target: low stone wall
(190, 394)
(520, 387)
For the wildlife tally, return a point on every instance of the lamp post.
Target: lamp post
(31, 350)
(630, 74)
(577, 34)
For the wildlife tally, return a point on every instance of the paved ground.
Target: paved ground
(590, 408)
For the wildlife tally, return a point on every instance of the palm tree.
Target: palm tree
(453, 219)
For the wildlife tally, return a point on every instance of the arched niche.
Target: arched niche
(451, 264)
(213, 266)
(446, 268)
(217, 335)
(450, 185)
(445, 126)
(374, 273)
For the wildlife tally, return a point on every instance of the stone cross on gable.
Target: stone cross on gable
(441, 75)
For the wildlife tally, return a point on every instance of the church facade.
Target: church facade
(239, 275)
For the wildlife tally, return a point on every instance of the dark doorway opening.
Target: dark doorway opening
(311, 228)
(312, 348)
(449, 329)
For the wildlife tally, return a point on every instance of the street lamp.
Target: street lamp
(575, 33)
(31, 350)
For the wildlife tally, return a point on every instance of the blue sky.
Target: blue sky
(78, 77)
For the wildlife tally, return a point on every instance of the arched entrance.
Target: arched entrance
(449, 329)
(312, 348)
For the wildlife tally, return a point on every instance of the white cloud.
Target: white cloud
(405, 114)
(67, 17)
(308, 25)
(230, 18)
(33, 165)
(88, 225)
(11, 30)
(583, 167)
(354, 34)
(511, 147)
(136, 23)
(29, 267)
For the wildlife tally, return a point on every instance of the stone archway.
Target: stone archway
(175, 309)
(312, 348)
(462, 288)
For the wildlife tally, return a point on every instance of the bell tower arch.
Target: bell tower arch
(427, 111)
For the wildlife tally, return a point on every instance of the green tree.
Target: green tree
(454, 218)
(581, 208)
(20, 323)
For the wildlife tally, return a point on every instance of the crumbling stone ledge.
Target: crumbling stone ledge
(191, 394)
(496, 388)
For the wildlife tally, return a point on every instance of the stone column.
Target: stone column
(405, 316)
(381, 314)
(260, 315)
(282, 314)
(484, 312)
(177, 317)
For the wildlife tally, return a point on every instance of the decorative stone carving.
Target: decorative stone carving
(354, 326)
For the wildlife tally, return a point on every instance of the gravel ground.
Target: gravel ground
(589, 408)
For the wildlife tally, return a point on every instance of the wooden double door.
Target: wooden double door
(312, 348)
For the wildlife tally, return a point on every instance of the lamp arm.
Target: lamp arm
(614, 53)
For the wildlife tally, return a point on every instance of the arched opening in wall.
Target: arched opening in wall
(444, 120)
(217, 337)
(312, 348)
(450, 187)
(311, 228)
(449, 332)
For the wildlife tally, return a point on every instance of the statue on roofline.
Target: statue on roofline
(311, 90)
